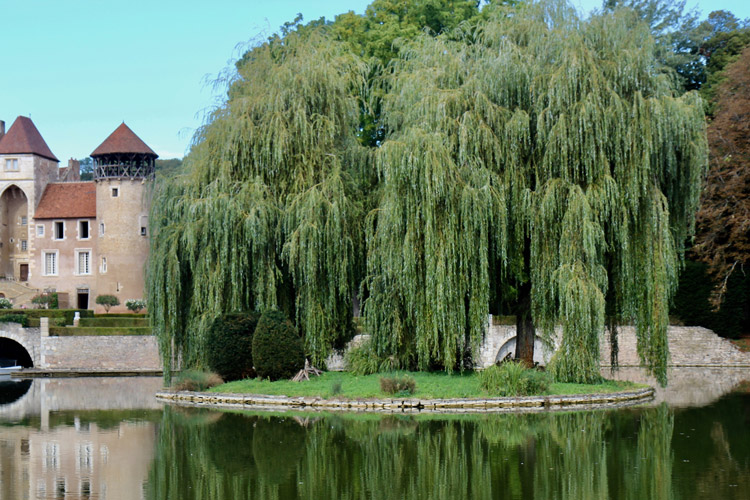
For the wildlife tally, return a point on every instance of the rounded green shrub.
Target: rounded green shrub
(229, 345)
(107, 301)
(277, 348)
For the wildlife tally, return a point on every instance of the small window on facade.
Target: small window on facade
(24, 220)
(40, 231)
(83, 229)
(101, 229)
(144, 225)
(84, 262)
(59, 230)
(24, 245)
(104, 265)
(11, 164)
(50, 263)
(115, 192)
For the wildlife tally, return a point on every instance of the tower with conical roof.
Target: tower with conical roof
(123, 169)
(27, 165)
(123, 155)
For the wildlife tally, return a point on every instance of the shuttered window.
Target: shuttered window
(84, 262)
(50, 263)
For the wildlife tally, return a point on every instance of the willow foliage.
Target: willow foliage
(532, 131)
(524, 147)
(267, 214)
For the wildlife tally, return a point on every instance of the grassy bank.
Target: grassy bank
(429, 386)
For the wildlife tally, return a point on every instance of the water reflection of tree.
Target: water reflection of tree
(563, 456)
(725, 476)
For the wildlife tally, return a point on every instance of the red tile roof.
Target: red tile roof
(123, 140)
(24, 138)
(67, 200)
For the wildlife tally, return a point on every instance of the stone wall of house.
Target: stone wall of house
(69, 278)
(13, 205)
(123, 243)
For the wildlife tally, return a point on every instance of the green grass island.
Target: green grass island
(429, 385)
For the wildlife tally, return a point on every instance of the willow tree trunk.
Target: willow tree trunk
(525, 327)
(525, 333)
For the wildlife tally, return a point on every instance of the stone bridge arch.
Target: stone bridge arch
(28, 338)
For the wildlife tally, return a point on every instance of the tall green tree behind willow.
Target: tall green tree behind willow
(539, 151)
(268, 214)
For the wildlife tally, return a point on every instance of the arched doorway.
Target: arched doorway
(12, 353)
(14, 233)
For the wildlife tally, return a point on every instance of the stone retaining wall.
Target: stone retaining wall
(113, 353)
(688, 346)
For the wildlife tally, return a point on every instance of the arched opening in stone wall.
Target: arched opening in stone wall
(12, 353)
(542, 353)
(14, 233)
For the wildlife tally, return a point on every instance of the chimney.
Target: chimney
(74, 170)
(2, 129)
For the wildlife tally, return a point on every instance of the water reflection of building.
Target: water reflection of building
(81, 461)
(79, 439)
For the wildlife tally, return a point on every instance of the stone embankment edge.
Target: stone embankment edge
(34, 373)
(685, 365)
(411, 405)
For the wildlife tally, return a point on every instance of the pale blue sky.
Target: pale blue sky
(81, 67)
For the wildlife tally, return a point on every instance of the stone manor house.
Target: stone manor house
(59, 234)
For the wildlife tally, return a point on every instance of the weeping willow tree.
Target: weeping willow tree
(542, 152)
(527, 154)
(268, 213)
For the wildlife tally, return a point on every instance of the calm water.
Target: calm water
(108, 438)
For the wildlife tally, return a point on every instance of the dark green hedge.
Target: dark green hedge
(56, 316)
(67, 331)
(229, 345)
(277, 348)
(691, 303)
(113, 322)
(70, 314)
(120, 315)
(21, 319)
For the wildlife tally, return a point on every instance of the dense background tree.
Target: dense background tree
(723, 237)
(675, 31)
(694, 49)
(86, 168)
(378, 35)
(521, 153)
